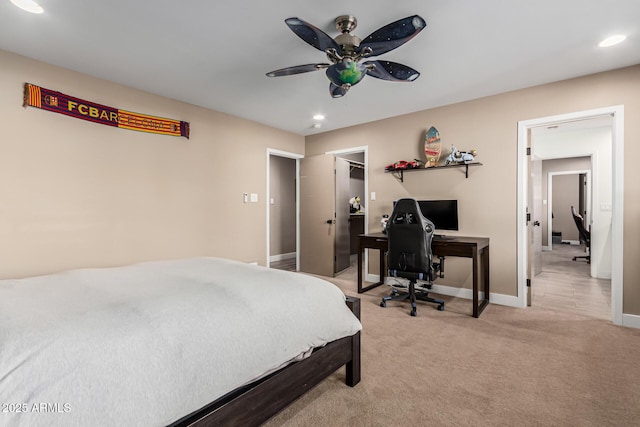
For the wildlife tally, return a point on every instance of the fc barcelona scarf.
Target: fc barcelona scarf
(39, 97)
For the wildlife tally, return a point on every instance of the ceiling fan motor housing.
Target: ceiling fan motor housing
(348, 42)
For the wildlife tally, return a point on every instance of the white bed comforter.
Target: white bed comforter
(149, 343)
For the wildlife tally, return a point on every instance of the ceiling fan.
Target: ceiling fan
(346, 52)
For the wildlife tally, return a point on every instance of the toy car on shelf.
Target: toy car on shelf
(403, 165)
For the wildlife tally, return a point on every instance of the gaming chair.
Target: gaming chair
(409, 254)
(585, 235)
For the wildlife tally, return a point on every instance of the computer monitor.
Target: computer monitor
(442, 213)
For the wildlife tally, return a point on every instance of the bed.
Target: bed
(198, 341)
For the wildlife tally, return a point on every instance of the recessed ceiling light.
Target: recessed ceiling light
(317, 125)
(318, 117)
(28, 5)
(613, 40)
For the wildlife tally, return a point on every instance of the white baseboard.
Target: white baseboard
(605, 275)
(628, 320)
(282, 257)
(631, 320)
(500, 299)
(494, 298)
(571, 242)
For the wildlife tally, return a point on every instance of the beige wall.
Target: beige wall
(487, 199)
(79, 194)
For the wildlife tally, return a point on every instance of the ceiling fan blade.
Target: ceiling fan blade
(393, 35)
(337, 91)
(312, 35)
(392, 71)
(297, 69)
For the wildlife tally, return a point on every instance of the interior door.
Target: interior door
(582, 196)
(536, 215)
(534, 206)
(343, 194)
(317, 214)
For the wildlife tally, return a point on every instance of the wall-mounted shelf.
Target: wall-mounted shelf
(401, 172)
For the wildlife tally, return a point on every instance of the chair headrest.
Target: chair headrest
(575, 213)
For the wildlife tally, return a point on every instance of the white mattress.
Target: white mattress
(149, 343)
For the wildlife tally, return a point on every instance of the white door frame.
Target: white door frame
(617, 223)
(296, 157)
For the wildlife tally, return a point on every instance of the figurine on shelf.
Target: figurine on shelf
(460, 156)
(432, 147)
(354, 204)
(384, 222)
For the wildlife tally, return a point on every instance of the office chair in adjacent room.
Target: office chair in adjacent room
(585, 235)
(409, 254)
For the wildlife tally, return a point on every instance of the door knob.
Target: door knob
(330, 221)
(536, 223)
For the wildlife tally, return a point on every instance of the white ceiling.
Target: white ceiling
(216, 54)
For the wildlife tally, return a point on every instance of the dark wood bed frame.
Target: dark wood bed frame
(256, 403)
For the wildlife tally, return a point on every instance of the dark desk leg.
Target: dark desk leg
(360, 250)
(362, 289)
(486, 273)
(475, 283)
(382, 269)
(485, 277)
(484, 269)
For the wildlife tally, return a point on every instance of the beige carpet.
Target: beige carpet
(511, 367)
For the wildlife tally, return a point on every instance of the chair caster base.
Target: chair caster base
(413, 313)
(441, 307)
(383, 304)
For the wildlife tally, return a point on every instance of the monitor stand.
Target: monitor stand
(443, 237)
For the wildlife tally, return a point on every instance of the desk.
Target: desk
(476, 248)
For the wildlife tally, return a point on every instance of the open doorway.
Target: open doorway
(606, 202)
(350, 202)
(325, 219)
(283, 210)
(565, 280)
(568, 184)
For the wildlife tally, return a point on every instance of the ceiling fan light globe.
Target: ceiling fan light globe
(346, 73)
